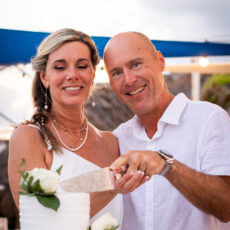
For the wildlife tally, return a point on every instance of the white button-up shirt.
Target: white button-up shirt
(198, 135)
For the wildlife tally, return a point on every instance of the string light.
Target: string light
(203, 61)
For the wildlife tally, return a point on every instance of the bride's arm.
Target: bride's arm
(99, 200)
(26, 143)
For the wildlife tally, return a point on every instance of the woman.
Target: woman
(59, 132)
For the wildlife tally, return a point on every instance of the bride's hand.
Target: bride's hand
(130, 181)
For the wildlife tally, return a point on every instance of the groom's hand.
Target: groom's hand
(141, 165)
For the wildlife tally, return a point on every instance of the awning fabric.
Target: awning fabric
(20, 46)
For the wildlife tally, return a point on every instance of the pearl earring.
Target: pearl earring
(46, 104)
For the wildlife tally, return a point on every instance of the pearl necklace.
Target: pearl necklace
(71, 149)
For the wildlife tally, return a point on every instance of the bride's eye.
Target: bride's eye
(59, 67)
(82, 66)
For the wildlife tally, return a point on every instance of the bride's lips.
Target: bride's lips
(136, 91)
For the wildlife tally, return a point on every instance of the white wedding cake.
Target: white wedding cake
(73, 213)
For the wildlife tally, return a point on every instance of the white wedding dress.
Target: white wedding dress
(73, 213)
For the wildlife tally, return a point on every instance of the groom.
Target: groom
(184, 144)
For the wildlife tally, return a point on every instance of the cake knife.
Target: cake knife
(95, 181)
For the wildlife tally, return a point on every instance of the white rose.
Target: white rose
(48, 179)
(105, 221)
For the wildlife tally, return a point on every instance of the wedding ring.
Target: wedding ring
(142, 172)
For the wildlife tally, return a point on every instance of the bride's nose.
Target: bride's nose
(72, 74)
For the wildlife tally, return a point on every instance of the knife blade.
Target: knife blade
(95, 181)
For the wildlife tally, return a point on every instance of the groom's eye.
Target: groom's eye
(136, 65)
(116, 73)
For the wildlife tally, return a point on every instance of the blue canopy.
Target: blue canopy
(20, 46)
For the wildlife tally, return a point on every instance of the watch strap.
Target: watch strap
(168, 157)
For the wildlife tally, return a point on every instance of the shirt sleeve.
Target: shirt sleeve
(215, 144)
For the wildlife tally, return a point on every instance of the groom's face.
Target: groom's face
(135, 72)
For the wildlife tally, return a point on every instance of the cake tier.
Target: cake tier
(73, 213)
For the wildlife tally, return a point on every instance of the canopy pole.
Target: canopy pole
(195, 78)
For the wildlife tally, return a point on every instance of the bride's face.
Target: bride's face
(69, 75)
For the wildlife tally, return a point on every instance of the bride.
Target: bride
(59, 132)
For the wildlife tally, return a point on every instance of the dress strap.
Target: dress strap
(35, 126)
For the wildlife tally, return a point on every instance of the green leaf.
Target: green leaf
(22, 173)
(89, 228)
(30, 181)
(59, 170)
(26, 193)
(24, 186)
(49, 201)
(113, 228)
(116, 227)
(25, 175)
(36, 187)
(22, 163)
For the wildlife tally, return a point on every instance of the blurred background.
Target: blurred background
(200, 77)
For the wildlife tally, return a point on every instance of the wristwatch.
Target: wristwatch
(168, 157)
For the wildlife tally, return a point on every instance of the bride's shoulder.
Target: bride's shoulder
(25, 128)
(26, 142)
(24, 132)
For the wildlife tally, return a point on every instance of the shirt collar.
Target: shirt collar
(174, 110)
(171, 115)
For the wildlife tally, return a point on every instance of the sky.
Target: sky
(194, 20)
(178, 20)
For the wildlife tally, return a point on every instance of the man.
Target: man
(193, 188)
